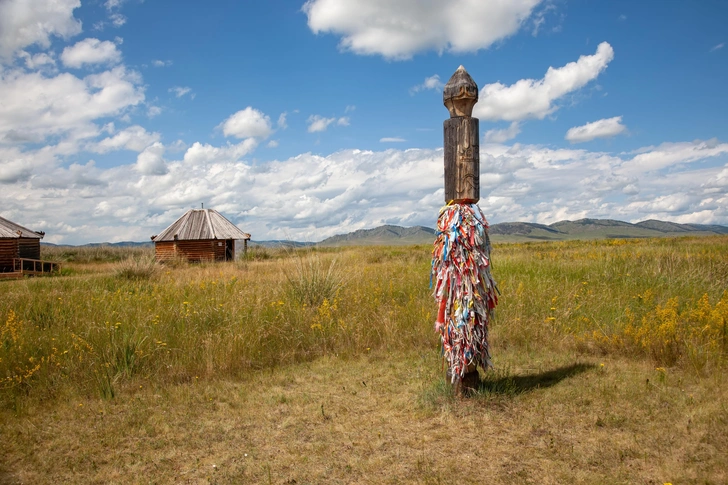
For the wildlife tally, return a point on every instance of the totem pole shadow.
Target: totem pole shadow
(508, 384)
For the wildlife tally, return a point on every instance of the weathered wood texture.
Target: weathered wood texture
(460, 94)
(195, 251)
(36, 267)
(17, 241)
(201, 224)
(11, 276)
(462, 160)
(8, 252)
(165, 250)
(29, 248)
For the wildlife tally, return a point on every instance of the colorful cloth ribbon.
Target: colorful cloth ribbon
(464, 289)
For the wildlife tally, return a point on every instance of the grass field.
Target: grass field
(322, 366)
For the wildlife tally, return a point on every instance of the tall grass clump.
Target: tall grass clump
(137, 268)
(311, 280)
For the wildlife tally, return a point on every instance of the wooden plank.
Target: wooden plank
(8, 252)
(462, 160)
(29, 248)
(11, 276)
(194, 251)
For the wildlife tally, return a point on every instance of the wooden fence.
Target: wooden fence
(31, 267)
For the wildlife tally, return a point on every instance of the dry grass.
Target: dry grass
(106, 379)
(137, 268)
(95, 254)
(311, 281)
(387, 419)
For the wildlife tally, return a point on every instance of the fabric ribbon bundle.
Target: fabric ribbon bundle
(464, 288)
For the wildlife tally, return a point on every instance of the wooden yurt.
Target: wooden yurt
(199, 235)
(17, 242)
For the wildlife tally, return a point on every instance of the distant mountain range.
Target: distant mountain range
(598, 229)
(502, 232)
(390, 235)
(528, 231)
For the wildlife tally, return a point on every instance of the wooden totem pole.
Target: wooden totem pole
(462, 145)
(464, 289)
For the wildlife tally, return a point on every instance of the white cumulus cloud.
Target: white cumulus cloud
(113, 4)
(536, 98)
(134, 138)
(36, 106)
(248, 123)
(117, 19)
(151, 160)
(430, 83)
(317, 123)
(153, 111)
(309, 197)
(180, 91)
(282, 123)
(666, 155)
(502, 135)
(202, 154)
(29, 22)
(604, 128)
(37, 61)
(90, 51)
(400, 29)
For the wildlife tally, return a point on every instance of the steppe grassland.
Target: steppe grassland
(647, 307)
(90, 331)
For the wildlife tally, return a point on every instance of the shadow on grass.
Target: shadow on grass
(503, 383)
(500, 385)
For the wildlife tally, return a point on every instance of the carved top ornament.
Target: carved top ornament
(460, 94)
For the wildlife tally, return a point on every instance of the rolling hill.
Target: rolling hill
(503, 232)
(527, 231)
(389, 235)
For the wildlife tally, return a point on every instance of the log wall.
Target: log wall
(164, 251)
(8, 251)
(219, 250)
(193, 251)
(29, 248)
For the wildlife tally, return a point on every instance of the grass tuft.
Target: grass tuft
(312, 280)
(137, 268)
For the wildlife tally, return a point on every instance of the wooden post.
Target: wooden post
(462, 140)
(462, 167)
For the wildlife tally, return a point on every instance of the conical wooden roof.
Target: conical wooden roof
(197, 224)
(10, 229)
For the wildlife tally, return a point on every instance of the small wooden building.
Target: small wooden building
(17, 242)
(199, 235)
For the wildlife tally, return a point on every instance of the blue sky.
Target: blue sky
(307, 119)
